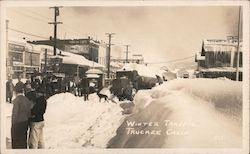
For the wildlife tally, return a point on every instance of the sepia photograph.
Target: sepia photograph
(124, 77)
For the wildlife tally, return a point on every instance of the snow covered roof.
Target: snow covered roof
(221, 69)
(93, 76)
(116, 64)
(220, 46)
(40, 48)
(70, 58)
(94, 71)
(16, 40)
(198, 56)
(142, 70)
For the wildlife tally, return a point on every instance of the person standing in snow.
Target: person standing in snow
(9, 90)
(85, 88)
(36, 140)
(19, 121)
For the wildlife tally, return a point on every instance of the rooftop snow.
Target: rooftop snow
(142, 70)
(70, 58)
(220, 46)
(221, 69)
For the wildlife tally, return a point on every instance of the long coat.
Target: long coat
(20, 114)
(9, 89)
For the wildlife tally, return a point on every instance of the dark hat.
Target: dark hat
(18, 88)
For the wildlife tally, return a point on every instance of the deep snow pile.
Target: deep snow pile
(184, 113)
(74, 123)
(71, 122)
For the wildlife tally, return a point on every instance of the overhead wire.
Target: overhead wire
(175, 60)
(34, 35)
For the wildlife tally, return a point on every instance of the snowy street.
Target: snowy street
(193, 113)
(204, 111)
(72, 122)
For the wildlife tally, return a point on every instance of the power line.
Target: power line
(182, 59)
(65, 26)
(40, 15)
(33, 17)
(18, 31)
(43, 19)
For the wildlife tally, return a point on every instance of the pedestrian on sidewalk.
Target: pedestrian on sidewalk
(9, 90)
(19, 121)
(36, 139)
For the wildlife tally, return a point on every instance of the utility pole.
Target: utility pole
(7, 48)
(55, 26)
(45, 65)
(109, 51)
(45, 70)
(238, 47)
(127, 53)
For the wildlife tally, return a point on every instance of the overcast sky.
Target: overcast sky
(160, 33)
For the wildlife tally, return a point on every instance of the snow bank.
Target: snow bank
(223, 93)
(71, 122)
(74, 123)
(185, 113)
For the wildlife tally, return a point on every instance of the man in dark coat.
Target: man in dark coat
(9, 90)
(20, 116)
(85, 88)
(36, 140)
(19, 83)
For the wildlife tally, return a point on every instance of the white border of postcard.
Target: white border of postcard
(245, 4)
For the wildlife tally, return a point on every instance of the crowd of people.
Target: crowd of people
(30, 104)
(52, 85)
(27, 120)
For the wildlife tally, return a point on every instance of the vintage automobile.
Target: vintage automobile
(129, 81)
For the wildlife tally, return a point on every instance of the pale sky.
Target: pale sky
(160, 33)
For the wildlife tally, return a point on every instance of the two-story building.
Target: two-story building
(91, 49)
(21, 58)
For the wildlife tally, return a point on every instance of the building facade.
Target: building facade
(218, 58)
(21, 59)
(91, 49)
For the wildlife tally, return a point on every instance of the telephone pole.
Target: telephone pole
(55, 26)
(109, 51)
(127, 53)
(7, 49)
(238, 47)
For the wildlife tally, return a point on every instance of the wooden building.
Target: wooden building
(218, 58)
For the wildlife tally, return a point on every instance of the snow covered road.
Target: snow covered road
(189, 113)
(183, 113)
(73, 123)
